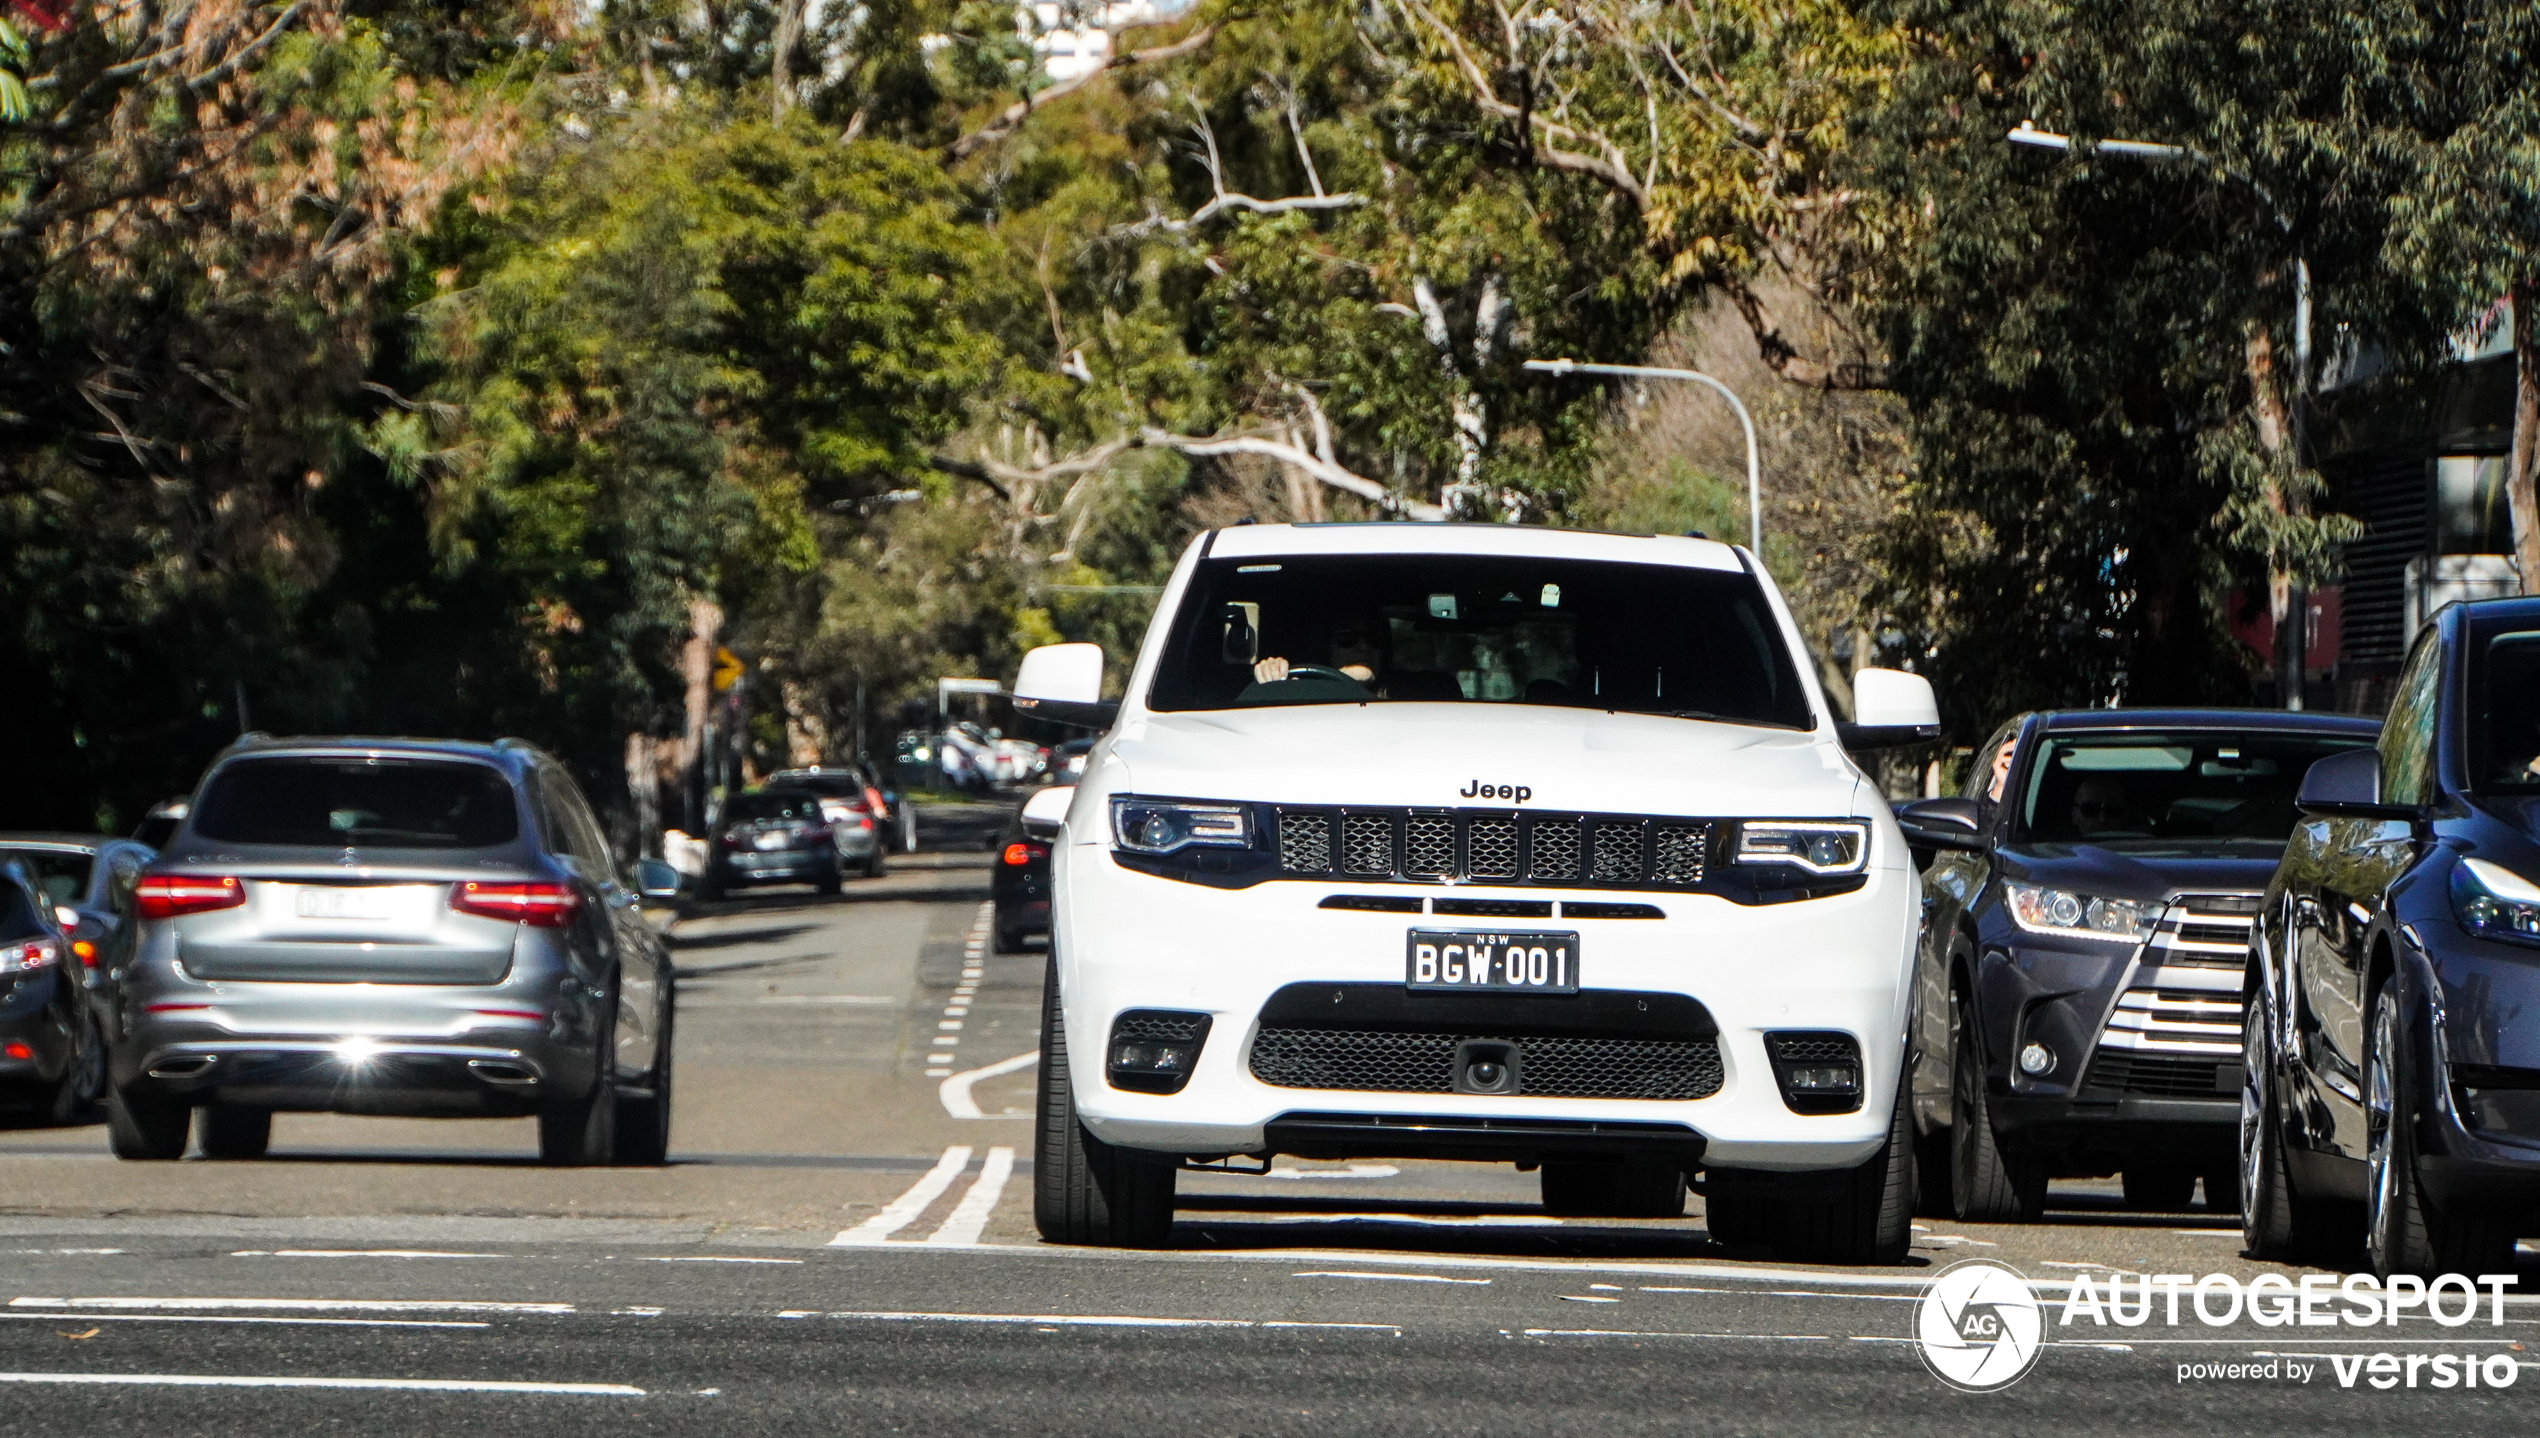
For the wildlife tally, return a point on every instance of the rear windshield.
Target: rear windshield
(2220, 793)
(790, 804)
(61, 876)
(1480, 629)
(347, 803)
(17, 916)
(835, 784)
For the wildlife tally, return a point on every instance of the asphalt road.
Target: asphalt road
(843, 1245)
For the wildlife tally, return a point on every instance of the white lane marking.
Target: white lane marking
(244, 1318)
(636, 1311)
(1479, 1220)
(970, 1216)
(902, 1211)
(1587, 1298)
(955, 1092)
(356, 1253)
(711, 1258)
(1387, 1277)
(1791, 1293)
(403, 1385)
(861, 999)
(304, 1305)
(1097, 1320)
(1617, 1333)
(1323, 1175)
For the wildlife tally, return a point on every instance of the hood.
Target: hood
(1526, 756)
(2122, 874)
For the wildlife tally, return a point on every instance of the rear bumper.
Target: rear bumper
(779, 866)
(360, 1077)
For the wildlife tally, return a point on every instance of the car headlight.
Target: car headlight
(2042, 910)
(1160, 826)
(1820, 846)
(2494, 902)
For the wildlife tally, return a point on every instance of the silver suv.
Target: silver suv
(391, 926)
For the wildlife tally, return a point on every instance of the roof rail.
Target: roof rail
(250, 739)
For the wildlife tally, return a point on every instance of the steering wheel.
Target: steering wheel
(1317, 671)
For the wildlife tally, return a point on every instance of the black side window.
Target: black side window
(17, 916)
(126, 872)
(2407, 736)
(567, 824)
(1980, 766)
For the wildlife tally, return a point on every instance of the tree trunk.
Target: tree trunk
(696, 665)
(789, 33)
(2518, 473)
(2286, 602)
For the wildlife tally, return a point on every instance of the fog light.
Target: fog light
(1148, 1056)
(1154, 1050)
(2037, 1060)
(1831, 1078)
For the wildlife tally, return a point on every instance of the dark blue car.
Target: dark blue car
(2393, 1035)
(2087, 909)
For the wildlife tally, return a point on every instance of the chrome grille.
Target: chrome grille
(1367, 844)
(1305, 843)
(2184, 1021)
(1429, 847)
(1490, 848)
(2204, 931)
(1556, 849)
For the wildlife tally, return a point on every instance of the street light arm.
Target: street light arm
(1746, 421)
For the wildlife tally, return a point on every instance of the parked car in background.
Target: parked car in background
(774, 836)
(1020, 883)
(391, 926)
(1067, 760)
(862, 818)
(2389, 1050)
(52, 1045)
(89, 874)
(2086, 927)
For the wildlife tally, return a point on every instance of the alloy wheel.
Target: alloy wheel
(2253, 1122)
(2382, 1176)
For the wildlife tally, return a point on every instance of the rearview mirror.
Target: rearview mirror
(2347, 786)
(1889, 707)
(1063, 683)
(655, 879)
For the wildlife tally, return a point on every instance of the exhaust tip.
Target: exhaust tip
(183, 1066)
(502, 1072)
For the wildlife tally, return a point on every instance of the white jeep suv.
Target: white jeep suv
(1481, 842)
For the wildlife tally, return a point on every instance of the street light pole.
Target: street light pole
(1754, 467)
(2293, 636)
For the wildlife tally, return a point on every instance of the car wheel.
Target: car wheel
(835, 880)
(83, 1079)
(2276, 1220)
(879, 864)
(2159, 1187)
(582, 1132)
(643, 1124)
(2403, 1231)
(230, 1132)
(146, 1126)
(1986, 1183)
(1084, 1191)
(1634, 1188)
(1871, 1218)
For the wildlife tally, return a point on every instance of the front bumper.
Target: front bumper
(1127, 941)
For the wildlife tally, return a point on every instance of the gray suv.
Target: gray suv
(390, 926)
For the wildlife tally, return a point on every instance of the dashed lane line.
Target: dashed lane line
(290, 1305)
(1084, 1320)
(974, 950)
(402, 1385)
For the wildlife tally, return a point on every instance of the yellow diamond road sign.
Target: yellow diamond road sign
(727, 669)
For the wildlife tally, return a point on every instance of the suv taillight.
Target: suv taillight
(166, 896)
(541, 906)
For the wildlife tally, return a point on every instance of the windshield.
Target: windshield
(1357, 629)
(343, 803)
(2504, 738)
(60, 875)
(788, 804)
(2188, 793)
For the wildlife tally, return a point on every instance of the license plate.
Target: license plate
(331, 902)
(1522, 963)
(765, 842)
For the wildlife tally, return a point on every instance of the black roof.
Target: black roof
(2272, 721)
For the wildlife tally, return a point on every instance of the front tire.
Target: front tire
(2403, 1230)
(1987, 1184)
(147, 1127)
(1634, 1188)
(2276, 1221)
(236, 1133)
(1871, 1218)
(1085, 1191)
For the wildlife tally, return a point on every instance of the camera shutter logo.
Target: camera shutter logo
(1979, 1326)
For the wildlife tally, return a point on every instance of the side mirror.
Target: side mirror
(1063, 682)
(1049, 806)
(2347, 786)
(655, 879)
(1942, 824)
(1889, 707)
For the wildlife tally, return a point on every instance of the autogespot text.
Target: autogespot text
(2318, 1300)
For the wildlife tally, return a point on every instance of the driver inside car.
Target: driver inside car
(1355, 655)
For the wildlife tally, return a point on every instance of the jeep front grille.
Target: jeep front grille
(1630, 851)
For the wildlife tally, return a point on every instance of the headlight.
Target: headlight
(2494, 902)
(27, 957)
(2042, 910)
(1160, 826)
(1820, 846)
